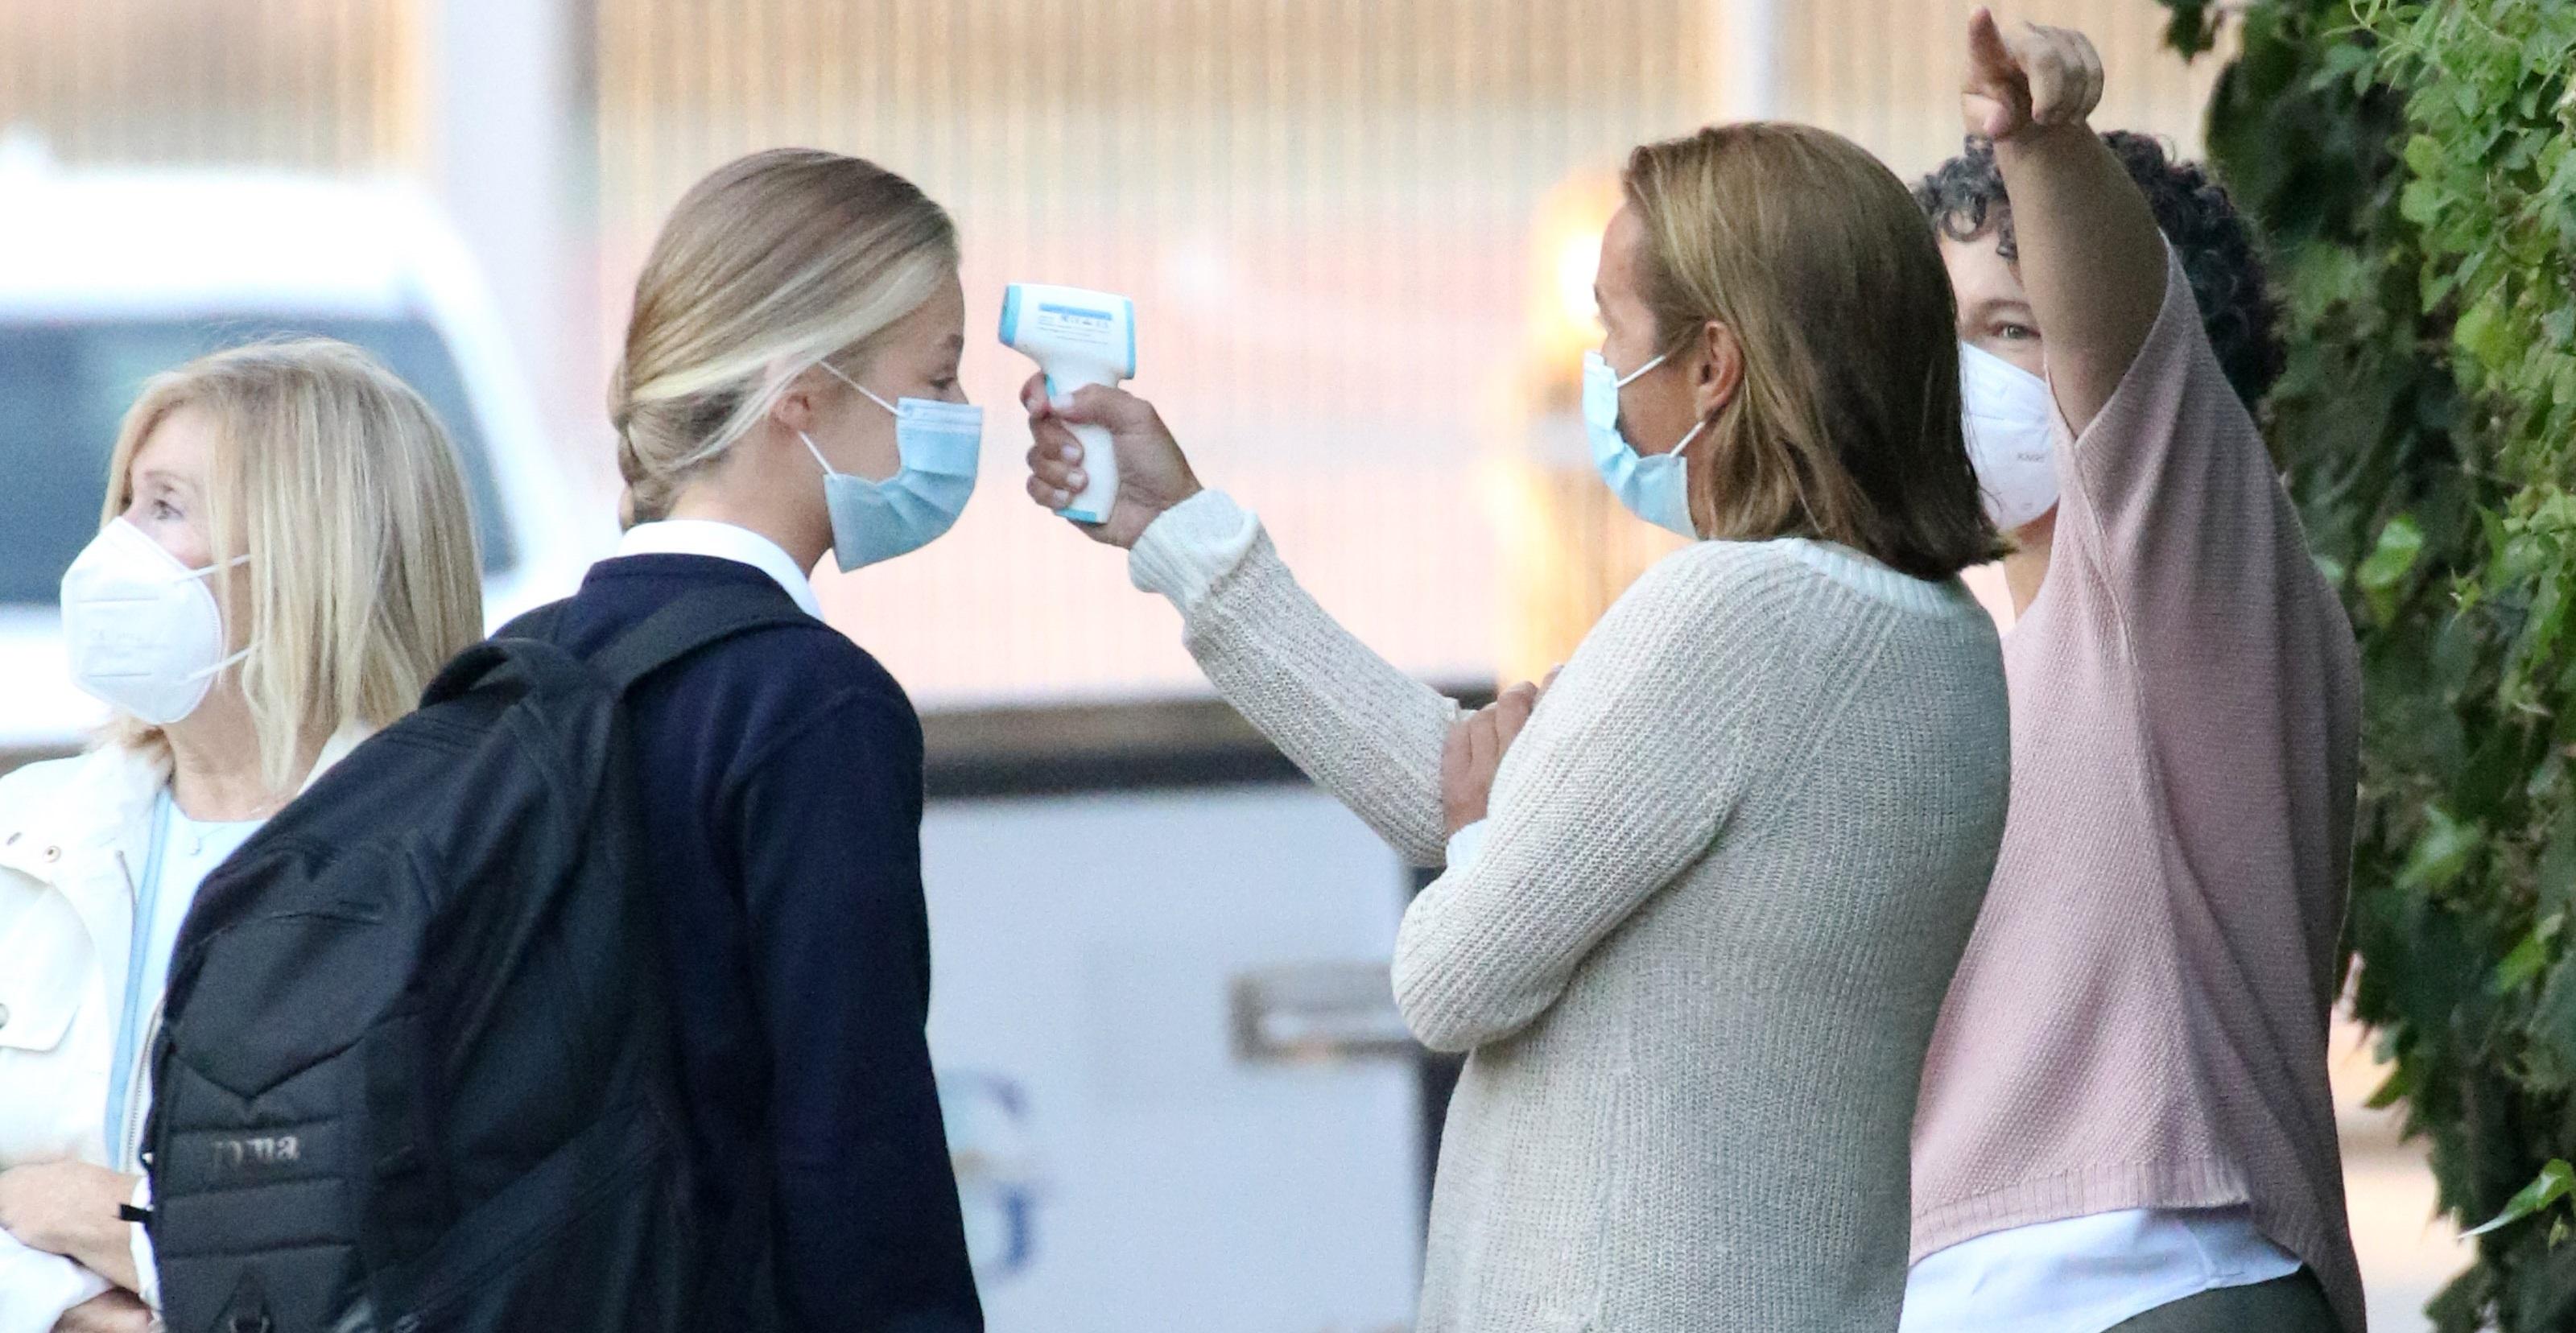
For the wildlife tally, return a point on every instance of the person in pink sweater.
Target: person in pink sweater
(2125, 1120)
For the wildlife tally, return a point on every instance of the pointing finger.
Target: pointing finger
(1990, 61)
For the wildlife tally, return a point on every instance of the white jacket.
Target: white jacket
(73, 835)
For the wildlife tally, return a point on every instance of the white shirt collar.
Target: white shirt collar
(724, 541)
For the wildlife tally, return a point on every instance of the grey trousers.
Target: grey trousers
(2293, 1304)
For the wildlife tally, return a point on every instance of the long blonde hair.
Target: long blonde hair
(1847, 425)
(772, 264)
(341, 487)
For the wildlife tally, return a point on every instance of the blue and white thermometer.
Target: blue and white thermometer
(1077, 337)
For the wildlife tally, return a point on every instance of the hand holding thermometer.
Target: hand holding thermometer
(1077, 337)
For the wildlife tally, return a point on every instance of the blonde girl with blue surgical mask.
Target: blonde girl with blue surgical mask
(789, 390)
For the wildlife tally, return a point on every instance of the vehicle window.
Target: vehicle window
(67, 385)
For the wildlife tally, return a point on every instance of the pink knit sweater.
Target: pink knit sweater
(2140, 1020)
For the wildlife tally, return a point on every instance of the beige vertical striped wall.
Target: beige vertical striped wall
(1321, 208)
(317, 85)
(1329, 212)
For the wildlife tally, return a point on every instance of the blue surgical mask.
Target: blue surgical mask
(1653, 486)
(939, 444)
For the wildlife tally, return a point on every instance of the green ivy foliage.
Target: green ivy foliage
(2414, 167)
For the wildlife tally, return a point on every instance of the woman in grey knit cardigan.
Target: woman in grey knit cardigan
(1698, 916)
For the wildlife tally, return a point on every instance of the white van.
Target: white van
(107, 278)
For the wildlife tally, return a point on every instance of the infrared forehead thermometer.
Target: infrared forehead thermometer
(1077, 337)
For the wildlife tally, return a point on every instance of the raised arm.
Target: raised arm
(1363, 730)
(2091, 257)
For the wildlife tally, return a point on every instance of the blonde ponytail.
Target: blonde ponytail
(771, 264)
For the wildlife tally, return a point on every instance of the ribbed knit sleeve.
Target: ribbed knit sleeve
(1362, 729)
(1621, 780)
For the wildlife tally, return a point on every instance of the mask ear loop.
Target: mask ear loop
(220, 667)
(1631, 378)
(1620, 381)
(208, 572)
(835, 372)
(218, 567)
(819, 461)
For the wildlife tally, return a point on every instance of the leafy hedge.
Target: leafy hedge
(2414, 165)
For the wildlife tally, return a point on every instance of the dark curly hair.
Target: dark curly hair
(1965, 198)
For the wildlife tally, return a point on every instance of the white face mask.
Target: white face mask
(144, 632)
(2011, 421)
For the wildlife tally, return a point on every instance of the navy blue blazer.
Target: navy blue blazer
(780, 773)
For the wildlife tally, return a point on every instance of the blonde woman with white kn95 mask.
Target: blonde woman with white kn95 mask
(285, 561)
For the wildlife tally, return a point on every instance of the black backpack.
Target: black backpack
(415, 1068)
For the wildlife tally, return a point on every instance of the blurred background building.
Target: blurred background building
(1359, 234)
(1358, 304)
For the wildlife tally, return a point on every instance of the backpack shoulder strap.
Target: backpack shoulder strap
(538, 623)
(691, 623)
